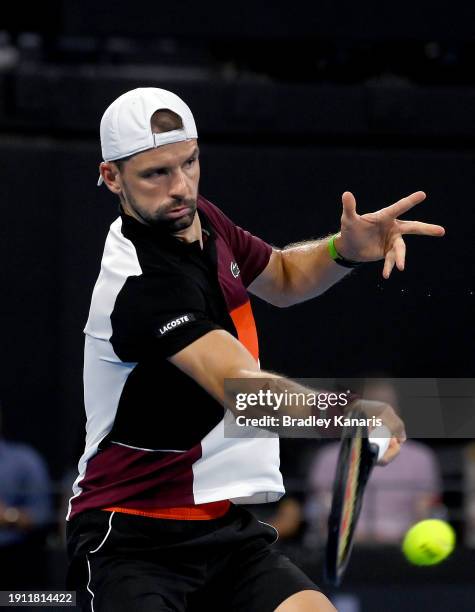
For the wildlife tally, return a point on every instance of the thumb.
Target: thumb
(349, 203)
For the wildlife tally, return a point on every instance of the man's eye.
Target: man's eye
(191, 161)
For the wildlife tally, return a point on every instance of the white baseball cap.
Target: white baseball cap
(125, 125)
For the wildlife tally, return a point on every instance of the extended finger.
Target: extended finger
(404, 204)
(420, 228)
(389, 262)
(400, 252)
(349, 203)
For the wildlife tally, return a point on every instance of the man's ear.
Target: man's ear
(111, 176)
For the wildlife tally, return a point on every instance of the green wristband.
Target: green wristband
(339, 259)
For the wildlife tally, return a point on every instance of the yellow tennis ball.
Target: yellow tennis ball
(428, 542)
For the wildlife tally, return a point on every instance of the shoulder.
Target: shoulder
(153, 292)
(220, 222)
(209, 208)
(116, 231)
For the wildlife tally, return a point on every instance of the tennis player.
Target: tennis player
(155, 521)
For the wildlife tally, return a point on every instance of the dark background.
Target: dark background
(294, 105)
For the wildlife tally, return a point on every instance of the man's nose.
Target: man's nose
(178, 186)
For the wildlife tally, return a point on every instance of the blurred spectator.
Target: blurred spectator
(25, 511)
(469, 494)
(398, 495)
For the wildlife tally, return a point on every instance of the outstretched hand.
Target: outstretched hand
(378, 235)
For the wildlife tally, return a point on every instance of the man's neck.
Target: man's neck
(191, 233)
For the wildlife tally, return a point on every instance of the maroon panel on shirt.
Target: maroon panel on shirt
(137, 479)
(250, 253)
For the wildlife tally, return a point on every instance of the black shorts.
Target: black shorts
(122, 562)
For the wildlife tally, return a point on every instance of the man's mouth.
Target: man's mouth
(181, 211)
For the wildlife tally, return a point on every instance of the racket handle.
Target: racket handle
(381, 436)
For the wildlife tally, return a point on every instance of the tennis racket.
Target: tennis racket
(358, 455)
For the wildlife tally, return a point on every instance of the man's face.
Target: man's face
(159, 187)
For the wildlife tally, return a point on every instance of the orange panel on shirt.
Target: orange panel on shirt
(245, 325)
(198, 512)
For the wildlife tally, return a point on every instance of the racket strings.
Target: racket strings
(349, 499)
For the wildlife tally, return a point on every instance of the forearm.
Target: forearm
(225, 369)
(308, 270)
